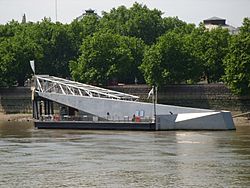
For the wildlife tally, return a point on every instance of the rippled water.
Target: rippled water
(75, 158)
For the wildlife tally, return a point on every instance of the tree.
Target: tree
(81, 28)
(16, 50)
(9, 30)
(172, 23)
(210, 48)
(6, 66)
(169, 61)
(237, 61)
(106, 57)
(49, 44)
(137, 21)
(57, 48)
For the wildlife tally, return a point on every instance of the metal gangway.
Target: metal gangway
(52, 84)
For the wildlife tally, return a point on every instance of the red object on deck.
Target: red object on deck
(137, 119)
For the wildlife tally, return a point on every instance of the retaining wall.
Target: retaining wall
(15, 100)
(208, 96)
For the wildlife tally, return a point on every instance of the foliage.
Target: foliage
(49, 44)
(79, 29)
(137, 21)
(9, 29)
(124, 44)
(107, 57)
(57, 48)
(173, 23)
(16, 51)
(210, 48)
(6, 59)
(237, 61)
(169, 61)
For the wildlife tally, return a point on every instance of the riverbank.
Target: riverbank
(241, 121)
(16, 117)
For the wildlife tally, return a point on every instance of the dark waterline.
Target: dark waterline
(75, 158)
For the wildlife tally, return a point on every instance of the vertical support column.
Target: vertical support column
(45, 107)
(37, 109)
(33, 104)
(40, 108)
(33, 109)
(49, 104)
(52, 107)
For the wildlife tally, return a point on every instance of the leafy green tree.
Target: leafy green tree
(210, 48)
(49, 44)
(6, 64)
(169, 61)
(81, 28)
(172, 23)
(107, 57)
(245, 28)
(57, 48)
(137, 21)
(237, 61)
(16, 50)
(9, 29)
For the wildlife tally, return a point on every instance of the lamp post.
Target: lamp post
(154, 101)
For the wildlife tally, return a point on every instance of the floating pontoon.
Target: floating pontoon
(83, 106)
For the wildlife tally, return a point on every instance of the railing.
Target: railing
(86, 118)
(51, 84)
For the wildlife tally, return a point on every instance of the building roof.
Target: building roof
(87, 12)
(214, 18)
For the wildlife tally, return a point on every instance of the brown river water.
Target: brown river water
(31, 157)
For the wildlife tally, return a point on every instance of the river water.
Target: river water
(31, 157)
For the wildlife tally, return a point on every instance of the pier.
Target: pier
(62, 103)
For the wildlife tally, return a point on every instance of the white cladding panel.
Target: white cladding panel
(179, 118)
(100, 106)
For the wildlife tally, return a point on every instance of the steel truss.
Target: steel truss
(51, 84)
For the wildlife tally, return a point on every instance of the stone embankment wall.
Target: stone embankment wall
(212, 96)
(15, 100)
(208, 96)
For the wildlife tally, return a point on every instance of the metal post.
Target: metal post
(154, 101)
(33, 109)
(40, 108)
(45, 102)
(52, 107)
(49, 104)
(156, 94)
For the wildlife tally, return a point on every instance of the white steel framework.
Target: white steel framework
(51, 84)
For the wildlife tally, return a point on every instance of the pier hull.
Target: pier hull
(95, 125)
(196, 121)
